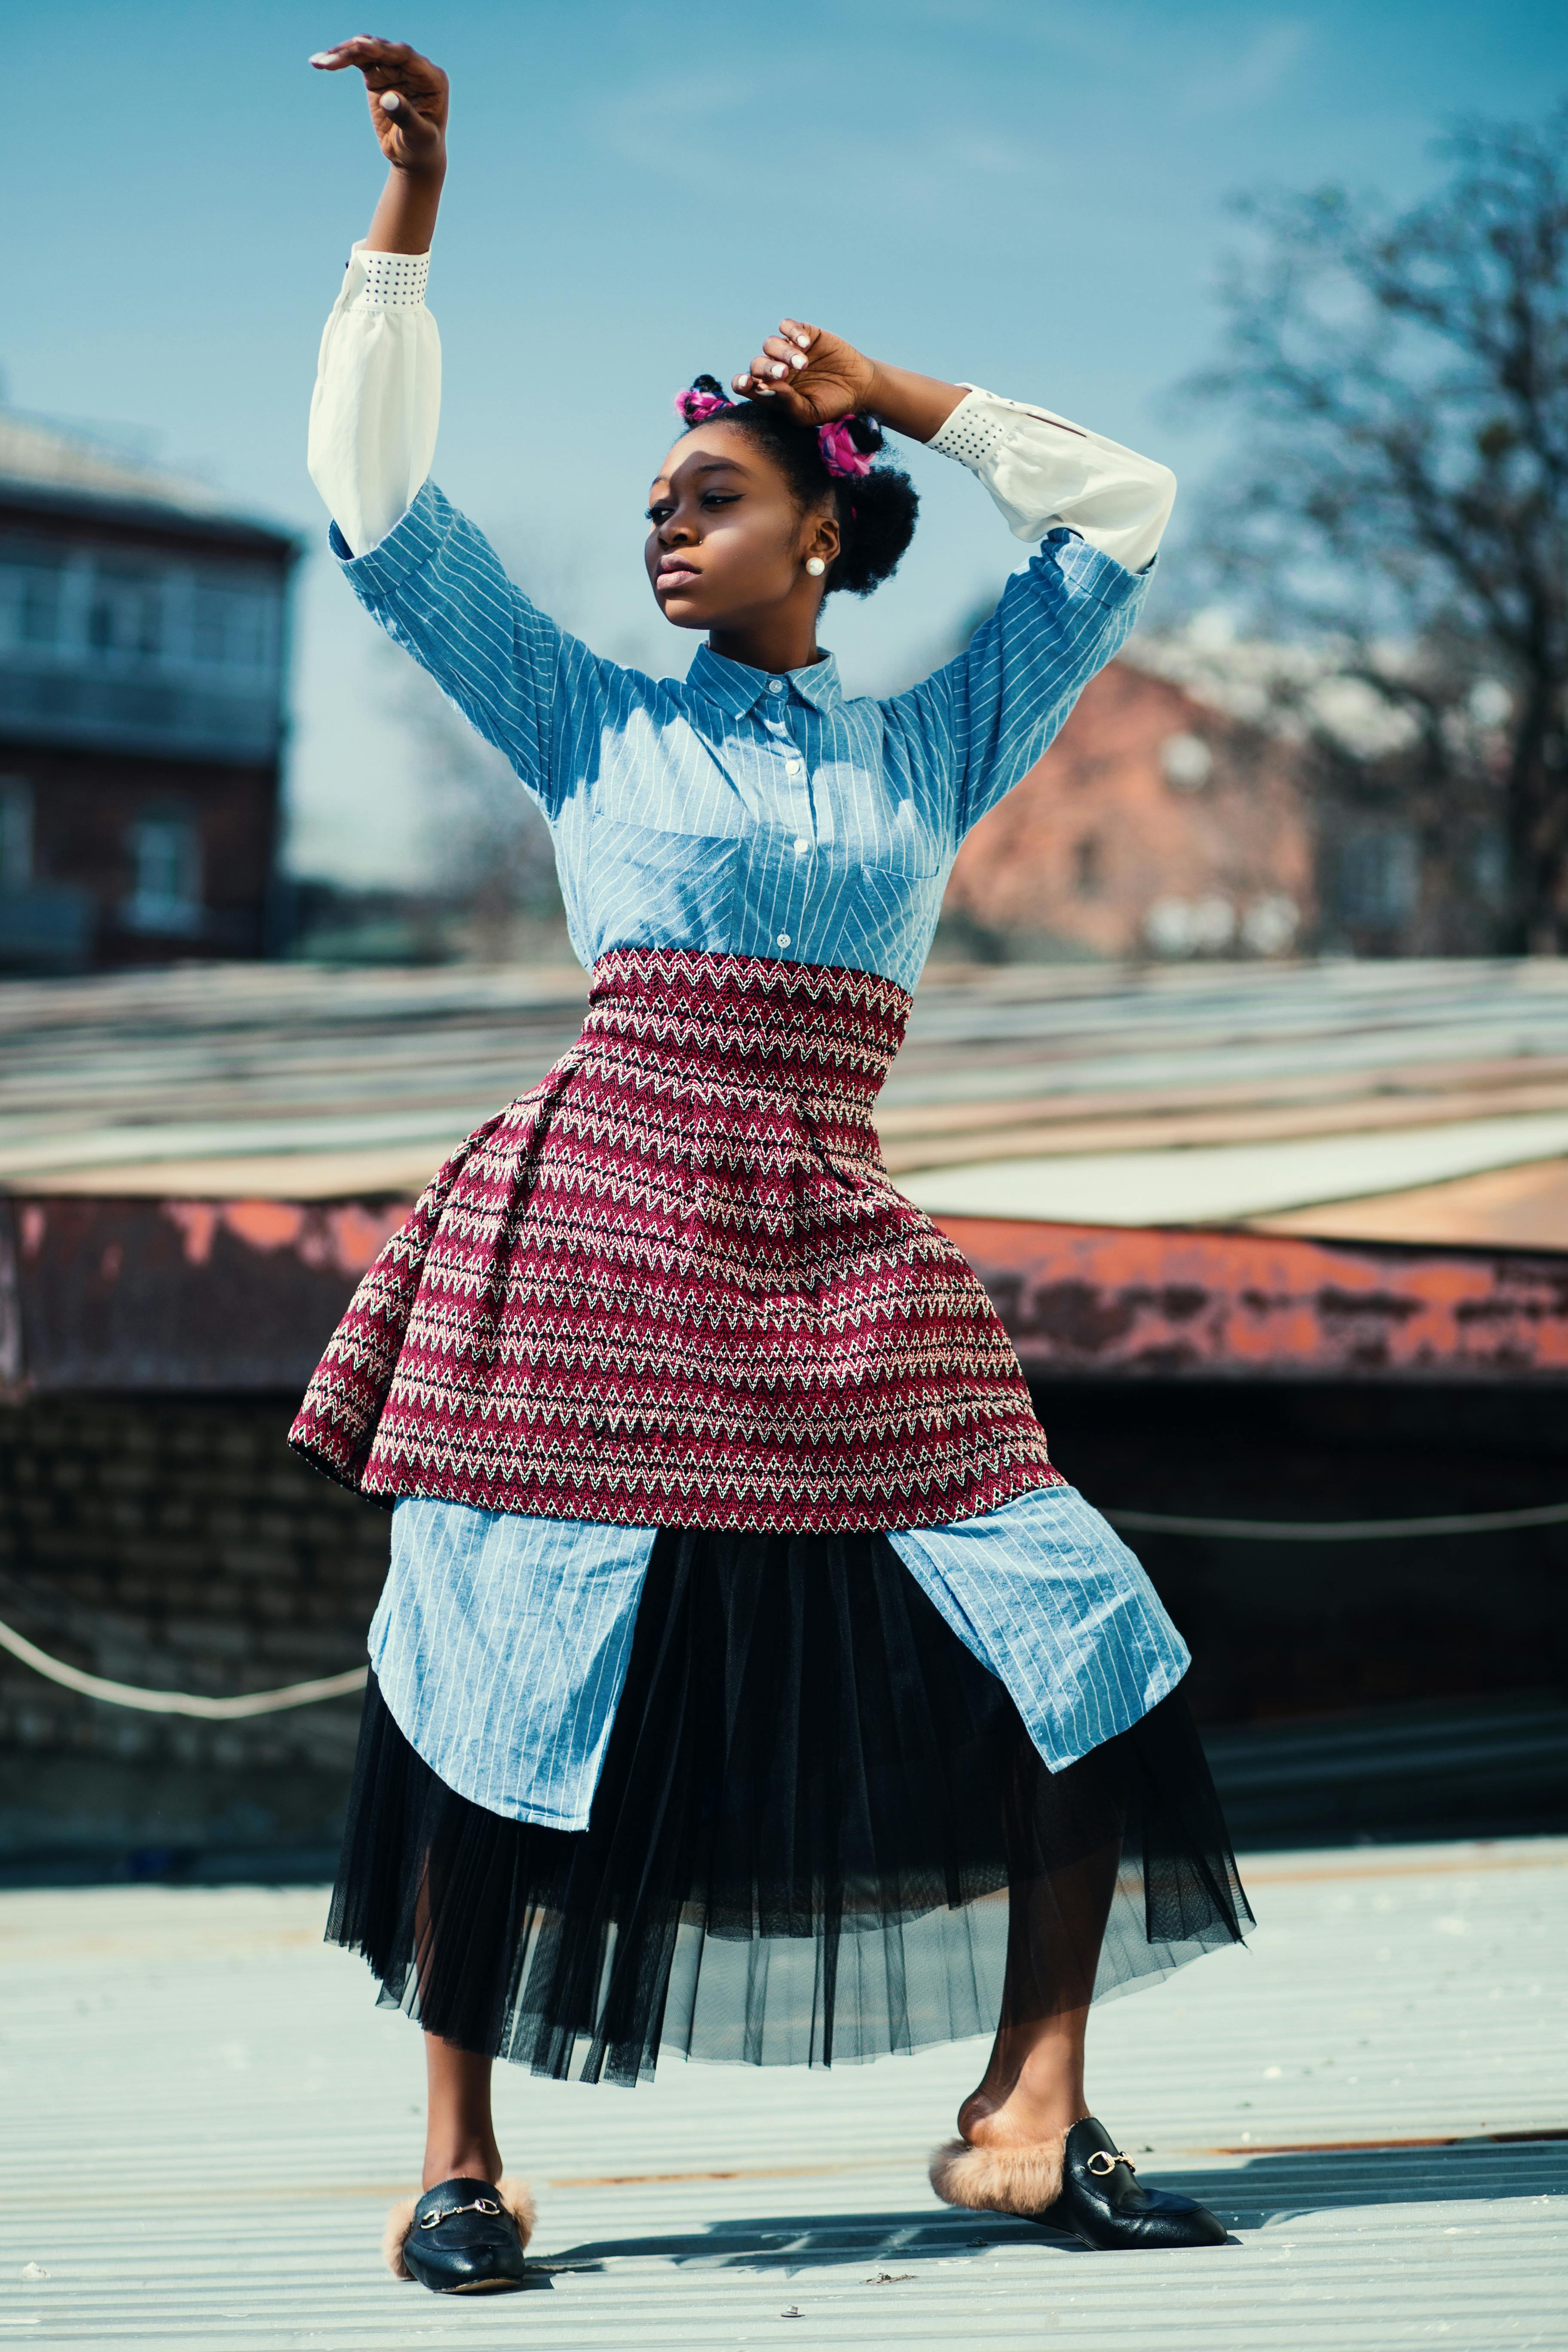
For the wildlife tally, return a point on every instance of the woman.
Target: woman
(748, 1681)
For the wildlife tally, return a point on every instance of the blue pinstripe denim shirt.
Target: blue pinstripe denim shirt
(735, 812)
(743, 814)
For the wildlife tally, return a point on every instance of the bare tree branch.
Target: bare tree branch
(1402, 383)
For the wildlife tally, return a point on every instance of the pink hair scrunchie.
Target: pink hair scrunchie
(840, 454)
(697, 407)
(836, 441)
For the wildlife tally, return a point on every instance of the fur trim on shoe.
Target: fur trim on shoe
(514, 2195)
(518, 2198)
(1022, 2180)
(399, 2221)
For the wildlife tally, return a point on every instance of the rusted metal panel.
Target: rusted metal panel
(1157, 1303)
(147, 1294)
(130, 1293)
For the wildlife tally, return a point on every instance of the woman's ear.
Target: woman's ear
(822, 537)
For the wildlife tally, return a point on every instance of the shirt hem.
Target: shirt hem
(540, 1817)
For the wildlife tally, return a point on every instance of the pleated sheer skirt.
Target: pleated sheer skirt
(822, 1834)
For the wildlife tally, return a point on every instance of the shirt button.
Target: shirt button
(801, 844)
(783, 939)
(791, 766)
(775, 686)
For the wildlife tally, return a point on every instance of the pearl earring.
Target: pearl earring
(816, 566)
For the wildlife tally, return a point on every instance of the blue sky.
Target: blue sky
(1021, 192)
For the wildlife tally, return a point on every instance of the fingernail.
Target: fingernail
(796, 359)
(321, 57)
(764, 392)
(804, 341)
(778, 368)
(389, 100)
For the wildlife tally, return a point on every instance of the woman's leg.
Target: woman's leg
(1032, 2089)
(459, 2133)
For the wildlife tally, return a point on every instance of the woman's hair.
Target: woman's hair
(876, 510)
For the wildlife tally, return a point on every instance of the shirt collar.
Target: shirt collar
(738, 689)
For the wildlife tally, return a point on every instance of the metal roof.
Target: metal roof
(305, 1083)
(56, 469)
(210, 2116)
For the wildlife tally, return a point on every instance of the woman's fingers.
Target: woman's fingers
(776, 361)
(362, 50)
(389, 65)
(417, 136)
(781, 358)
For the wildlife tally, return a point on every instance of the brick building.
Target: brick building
(1157, 823)
(143, 656)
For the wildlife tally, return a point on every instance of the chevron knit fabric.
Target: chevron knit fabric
(672, 1286)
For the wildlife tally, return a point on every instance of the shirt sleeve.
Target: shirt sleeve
(975, 728)
(377, 400)
(1045, 474)
(439, 590)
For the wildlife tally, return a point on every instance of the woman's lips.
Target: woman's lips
(676, 575)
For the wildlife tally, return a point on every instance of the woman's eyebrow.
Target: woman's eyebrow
(706, 466)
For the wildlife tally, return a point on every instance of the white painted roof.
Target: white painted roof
(43, 454)
(1194, 1184)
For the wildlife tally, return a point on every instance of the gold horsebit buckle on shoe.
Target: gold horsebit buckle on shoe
(445, 2212)
(1102, 2162)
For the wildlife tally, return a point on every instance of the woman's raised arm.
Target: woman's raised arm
(377, 400)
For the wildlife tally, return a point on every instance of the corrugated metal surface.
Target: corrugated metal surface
(208, 2117)
(308, 1084)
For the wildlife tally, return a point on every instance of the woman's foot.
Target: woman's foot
(463, 2236)
(1104, 2201)
(1075, 2179)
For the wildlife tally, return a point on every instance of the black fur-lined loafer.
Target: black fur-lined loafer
(462, 2237)
(1103, 2200)
(1080, 2183)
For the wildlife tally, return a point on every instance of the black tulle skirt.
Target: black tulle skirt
(821, 1834)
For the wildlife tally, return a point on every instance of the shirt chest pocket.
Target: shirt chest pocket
(886, 901)
(654, 889)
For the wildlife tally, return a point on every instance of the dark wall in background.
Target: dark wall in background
(1408, 1688)
(174, 1543)
(1293, 1629)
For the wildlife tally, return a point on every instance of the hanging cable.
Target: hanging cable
(154, 1702)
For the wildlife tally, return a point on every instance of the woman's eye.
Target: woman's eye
(719, 497)
(657, 514)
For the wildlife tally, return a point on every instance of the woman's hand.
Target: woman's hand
(819, 378)
(408, 100)
(815, 374)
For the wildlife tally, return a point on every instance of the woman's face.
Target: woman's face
(728, 546)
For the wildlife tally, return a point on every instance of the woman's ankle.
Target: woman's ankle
(1027, 2096)
(460, 2160)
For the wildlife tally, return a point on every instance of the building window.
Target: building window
(29, 601)
(1379, 878)
(1087, 867)
(166, 875)
(125, 612)
(233, 625)
(16, 832)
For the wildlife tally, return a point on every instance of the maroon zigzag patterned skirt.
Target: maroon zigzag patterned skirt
(673, 1286)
